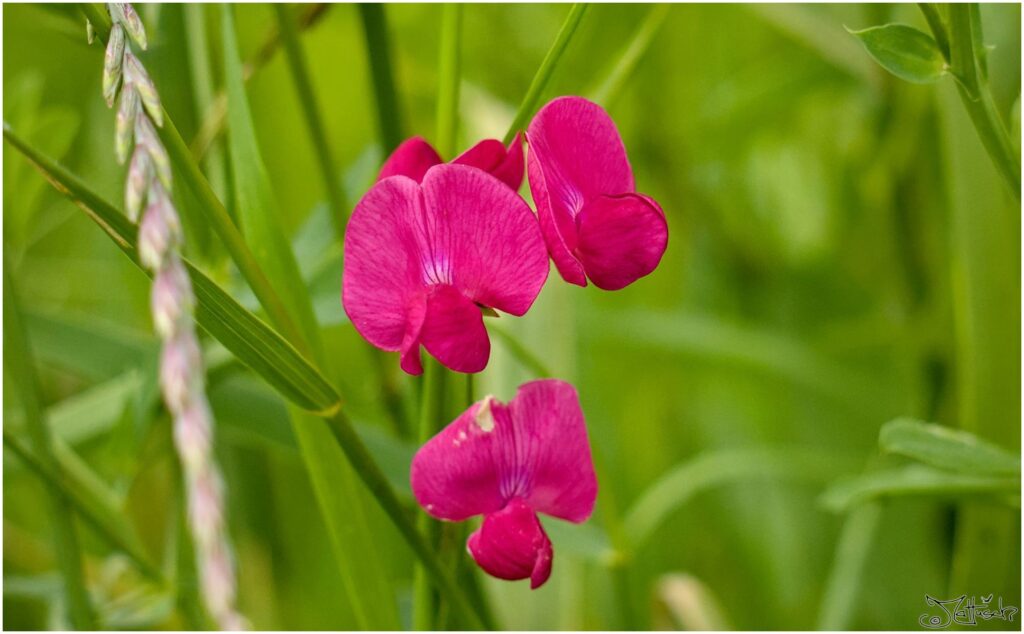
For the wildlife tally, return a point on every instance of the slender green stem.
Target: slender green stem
(966, 59)
(215, 211)
(377, 483)
(203, 89)
(449, 78)
(547, 67)
(215, 116)
(609, 90)
(102, 517)
(117, 227)
(937, 25)
(18, 364)
(432, 404)
(317, 131)
(389, 118)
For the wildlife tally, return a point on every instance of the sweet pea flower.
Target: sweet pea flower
(415, 156)
(508, 463)
(423, 259)
(594, 223)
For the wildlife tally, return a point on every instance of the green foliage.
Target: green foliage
(844, 251)
(904, 51)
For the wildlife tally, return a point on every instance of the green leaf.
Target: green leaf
(919, 480)
(904, 51)
(253, 342)
(947, 448)
(342, 501)
(683, 482)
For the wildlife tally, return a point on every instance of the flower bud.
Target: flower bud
(218, 582)
(171, 299)
(113, 63)
(140, 175)
(145, 135)
(130, 19)
(127, 110)
(206, 507)
(192, 436)
(160, 229)
(136, 74)
(181, 372)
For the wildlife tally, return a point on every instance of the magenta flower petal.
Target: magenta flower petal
(511, 544)
(577, 157)
(453, 330)
(382, 271)
(507, 462)
(505, 164)
(486, 238)
(621, 239)
(456, 475)
(422, 259)
(412, 158)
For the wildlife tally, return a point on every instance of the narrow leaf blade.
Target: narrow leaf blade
(904, 51)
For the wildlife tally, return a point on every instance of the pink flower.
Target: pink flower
(422, 259)
(594, 223)
(415, 156)
(508, 463)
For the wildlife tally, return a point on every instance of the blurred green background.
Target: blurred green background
(842, 252)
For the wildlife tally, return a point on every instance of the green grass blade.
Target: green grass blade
(609, 90)
(87, 496)
(314, 122)
(214, 211)
(547, 68)
(919, 480)
(337, 491)
(252, 341)
(389, 119)
(19, 366)
(842, 591)
(449, 79)
(947, 448)
(683, 482)
(263, 350)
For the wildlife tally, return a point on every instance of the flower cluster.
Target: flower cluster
(147, 191)
(432, 247)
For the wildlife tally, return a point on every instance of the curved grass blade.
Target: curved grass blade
(280, 364)
(215, 212)
(686, 480)
(247, 337)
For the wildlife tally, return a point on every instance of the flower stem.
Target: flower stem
(965, 58)
(388, 116)
(303, 85)
(609, 89)
(449, 78)
(19, 366)
(432, 403)
(547, 67)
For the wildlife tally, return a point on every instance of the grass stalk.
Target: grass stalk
(314, 122)
(606, 93)
(449, 78)
(389, 120)
(547, 68)
(18, 362)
